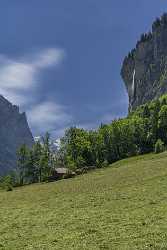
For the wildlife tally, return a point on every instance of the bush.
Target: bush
(70, 164)
(80, 162)
(104, 164)
(159, 146)
(6, 183)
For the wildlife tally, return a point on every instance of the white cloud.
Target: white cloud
(19, 78)
(46, 116)
(16, 76)
(19, 83)
(49, 57)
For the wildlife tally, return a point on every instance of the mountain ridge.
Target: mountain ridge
(14, 131)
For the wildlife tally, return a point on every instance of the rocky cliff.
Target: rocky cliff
(14, 131)
(144, 70)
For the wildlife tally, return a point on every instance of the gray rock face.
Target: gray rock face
(14, 131)
(144, 70)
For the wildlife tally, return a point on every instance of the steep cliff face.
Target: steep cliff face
(14, 131)
(144, 70)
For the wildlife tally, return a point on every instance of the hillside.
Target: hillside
(121, 207)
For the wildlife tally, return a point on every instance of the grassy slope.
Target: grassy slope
(123, 207)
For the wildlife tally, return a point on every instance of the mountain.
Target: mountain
(144, 70)
(14, 131)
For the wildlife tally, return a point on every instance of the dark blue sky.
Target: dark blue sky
(60, 60)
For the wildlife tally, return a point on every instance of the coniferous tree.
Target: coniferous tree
(22, 163)
(45, 160)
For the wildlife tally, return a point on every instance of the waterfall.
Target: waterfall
(133, 82)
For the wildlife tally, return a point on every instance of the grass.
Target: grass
(121, 207)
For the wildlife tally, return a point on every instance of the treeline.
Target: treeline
(33, 164)
(143, 131)
(160, 21)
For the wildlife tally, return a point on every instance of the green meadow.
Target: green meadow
(123, 207)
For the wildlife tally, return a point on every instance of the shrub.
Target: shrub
(104, 164)
(159, 146)
(70, 163)
(6, 183)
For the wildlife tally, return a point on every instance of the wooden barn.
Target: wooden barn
(61, 173)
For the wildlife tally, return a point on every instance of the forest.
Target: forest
(142, 131)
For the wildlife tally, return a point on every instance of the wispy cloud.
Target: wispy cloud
(18, 78)
(19, 83)
(49, 57)
(47, 116)
(16, 75)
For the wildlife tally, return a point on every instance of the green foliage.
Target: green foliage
(162, 123)
(76, 144)
(80, 149)
(22, 163)
(70, 163)
(104, 164)
(6, 183)
(159, 146)
(35, 164)
(136, 134)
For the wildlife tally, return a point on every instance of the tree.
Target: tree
(97, 149)
(154, 117)
(35, 164)
(156, 24)
(45, 159)
(34, 168)
(22, 163)
(162, 123)
(76, 146)
(136, 134)
(159, 146)
(141, 129)
(146, 111)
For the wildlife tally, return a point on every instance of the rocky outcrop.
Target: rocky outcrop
(14, 131)
(144, 70)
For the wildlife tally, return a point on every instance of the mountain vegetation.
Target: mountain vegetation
(33, 164)
(143, 131)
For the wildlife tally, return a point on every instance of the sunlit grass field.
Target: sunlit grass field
(120, 207)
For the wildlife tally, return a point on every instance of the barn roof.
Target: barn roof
(61, 170)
